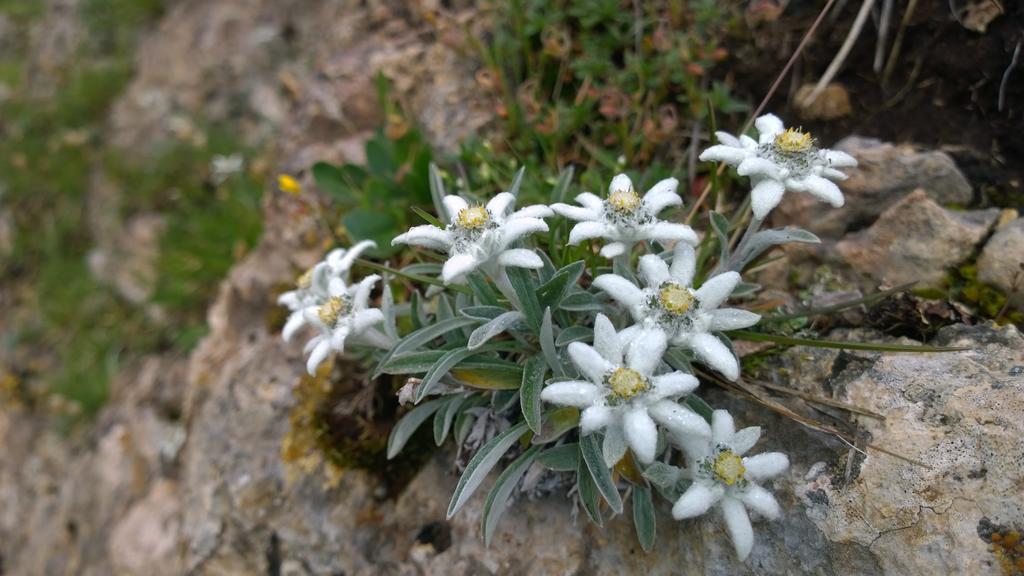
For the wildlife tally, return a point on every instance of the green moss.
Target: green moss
(987, 300)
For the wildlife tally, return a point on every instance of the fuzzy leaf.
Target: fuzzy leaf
(580, 302)
(481, 464)
(488, 374)
(720, 224)
(574, 334)
(437, 192)
(444, 416)
(492, 328)
(547, 344)
(552, 292)
(556, 422)
(421, 337)
(643, 517)
(564, 458)
(407, 426)
(587, 491)
(498, 499)
(590, 450)
(533, 382)
(526, 290)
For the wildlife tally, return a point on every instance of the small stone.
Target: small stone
(1002, 262)
(832, 103)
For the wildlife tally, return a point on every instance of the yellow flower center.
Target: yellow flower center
(729, 467)
(624, 200)
(626, 383)
(288, 185)
(473, 217)
(306, 280)
(330, 311)
(675, 298)
(794, 140)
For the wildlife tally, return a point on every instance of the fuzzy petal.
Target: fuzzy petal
(345, 259)
(590, 201)
(766, 465)
(500, 204)
(337, 287)
(716, 290)
(738, 523)
(577, 213)
(760, 168)
(673, 385)
(614, 446)
(682, 422)
(731, 155)
(606, 340)
(768, 127)
(726, 138)
(456, 268)
(516, 229)
(613, 249)
(595, 418)
(572, 393)
(622, 290)
(586, 231)
(745, 439)
(684, 263)
(833, 174)
(697, 499)
(364, 319)
(532, 211)
(722, 427)
(665, 231)
(641, 434)
(338, 338)
(427, 235)
(620, 182)
(715, 354)
(589, 362)
(839, 159)
(765, 196)
(361, 298)
(318, 355)
(644, 354)
(520, 258)
(653, 270)
(453, 205)
(662, 195)
(296, 320)
(732, 319)
(820, 188)
(761, 501)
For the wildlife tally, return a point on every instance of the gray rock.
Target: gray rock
(1002, 261)
(886, 173)
(916, 240)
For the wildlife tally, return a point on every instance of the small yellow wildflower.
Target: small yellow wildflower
(288, 184)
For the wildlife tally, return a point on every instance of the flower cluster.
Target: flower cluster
(617, 343)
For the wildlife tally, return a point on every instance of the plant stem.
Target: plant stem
(736, 260)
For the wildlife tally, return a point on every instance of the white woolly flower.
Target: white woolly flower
(622, 396)
(311, 289)
(344, 316)
(624, 218)
(780, 160)
(669, 304)
(480, 236)
(722, 475)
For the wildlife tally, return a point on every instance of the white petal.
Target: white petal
(726, 138)
(500, 204)
(839, 159)
(589, 362)
(516, 229)
(722, 427)
(653, 270)
(833, 174)
(748, 142)
(453, 205)
(318, 355)
(337, 287)
(673, 385)
(683, 423)
(290, 299)
(606, 340)
(338, 338)
(532, 211)
(595, 418)
(613, 249)
(697, 499)
(821, 188)
(665, 231)
(662, 195)
(622, 290)
(738, 523)
(765, 196)
(761, 501)
(731, 155)
(520, 258)
(313, 343)
(759, 167)
(576, 212)
(641, 434)
(344, 263)
(732, 319)
(614, 446)
(456, 268)
(362, 293)
(590, 201)
(620, 182)
(295, 321)
(364, 319)
(764, 466)
(586, 231)
(644, 354)
(684, 263)
(716, 289)
(711, 351)
(572, 393)
(768, 126)
(427, 235)
(745, 439)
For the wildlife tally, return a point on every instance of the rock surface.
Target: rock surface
(916, 240)
(1002, 261)
(885, 175)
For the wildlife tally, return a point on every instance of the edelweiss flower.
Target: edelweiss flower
(625, 218)
(479, 236)
(311, 288)
(687, 317)
(345, 315)
(723, 476)
(781, 160)
(622, 395)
